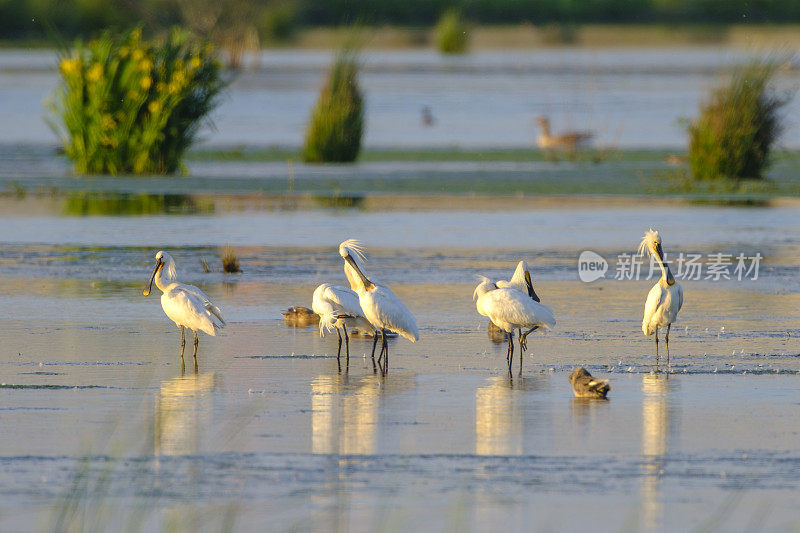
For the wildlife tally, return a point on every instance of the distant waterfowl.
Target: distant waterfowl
(186, 305)
(300, 317)
(338, 308)
(379, 304)
(427, 117)
(665, 298)
(510, 309)
(585, 386)
(569, 141)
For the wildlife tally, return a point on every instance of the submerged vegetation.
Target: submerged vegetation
(126, 105)
(452, 33)
(737, 127)
(337, 121)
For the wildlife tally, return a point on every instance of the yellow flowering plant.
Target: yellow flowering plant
(128, 105)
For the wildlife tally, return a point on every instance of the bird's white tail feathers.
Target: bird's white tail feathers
(546, 315)
(327, 323)
(650, 239)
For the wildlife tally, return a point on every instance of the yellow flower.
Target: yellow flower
(195, 63)
(145, 65)
(95, 72)
(70, 67)
(137, 55)
(146, 82)
(174, 88)
(154, 107)
(107, 121)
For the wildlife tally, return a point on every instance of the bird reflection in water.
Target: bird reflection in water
(499, 424)
(183, 410)
(655, 428)
(344, 414)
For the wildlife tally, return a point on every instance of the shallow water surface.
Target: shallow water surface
(106, 428)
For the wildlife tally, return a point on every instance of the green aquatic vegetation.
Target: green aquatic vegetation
(127, 105)
(452, 33)
(337, 121)
(95, 203)
(230, 261)
(738, 125)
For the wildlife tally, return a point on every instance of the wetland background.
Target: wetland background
(104, 431)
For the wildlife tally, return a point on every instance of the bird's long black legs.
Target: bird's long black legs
(656, 350)
(510, 350)
(523, 338)
(666, 343)
(183, 340)
(346, 344)
(196, 342)
(339, 351)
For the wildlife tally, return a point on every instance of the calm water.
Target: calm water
(631, 98)
(104, 429)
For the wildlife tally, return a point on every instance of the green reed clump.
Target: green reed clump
(733, 136)
(452, 33)
(126, 105)
(337, 121)
(230, 261)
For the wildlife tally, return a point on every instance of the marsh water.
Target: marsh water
(629, 97)
(103, 427)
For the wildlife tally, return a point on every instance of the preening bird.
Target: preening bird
(522, 282)
(186, 305)
(337, 308)
(585, 386)
(569, 140)
(379, 304)
(510, 309)
(665, 298)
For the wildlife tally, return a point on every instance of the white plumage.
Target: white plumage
(381, 307)
(186, 305)
(337, 306)
(510, 309)
(665, 298)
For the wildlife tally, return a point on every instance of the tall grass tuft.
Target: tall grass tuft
(452, 33)
(230, 261)
(738, 125)
(337, 121)
(126, 105)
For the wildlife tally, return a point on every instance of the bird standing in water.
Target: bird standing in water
(337, 308)
(665, 298)
(186, 305)
(510, 309)
(381, 307)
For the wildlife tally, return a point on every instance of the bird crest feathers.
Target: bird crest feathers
(485, 286)
(649, 241)
(355, 247)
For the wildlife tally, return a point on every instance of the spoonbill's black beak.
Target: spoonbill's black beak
(149, 286)
(529, 283)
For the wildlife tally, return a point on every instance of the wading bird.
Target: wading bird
(186, 305)
(510, 309)
(337, 308)
(569, 141)
(379, 304)
(521, 281)
(666, 296)
(585, 386)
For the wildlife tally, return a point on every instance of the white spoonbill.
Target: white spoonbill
(338, 307)
(666, 296)
(186, 305)
(522, 282)
(379, 304)
(510, 309)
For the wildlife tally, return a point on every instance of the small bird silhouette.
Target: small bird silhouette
(585, 386)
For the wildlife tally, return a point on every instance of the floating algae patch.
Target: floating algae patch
(107, 203)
